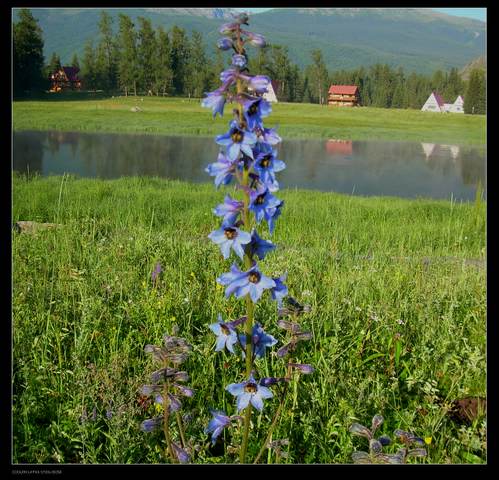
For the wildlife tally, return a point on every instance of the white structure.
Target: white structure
(270, 94)
(428, 149)
(435, 103)
(457, 106)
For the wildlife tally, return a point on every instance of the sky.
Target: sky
(476, 13)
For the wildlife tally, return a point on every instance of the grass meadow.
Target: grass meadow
(180, 116)
(396, 287)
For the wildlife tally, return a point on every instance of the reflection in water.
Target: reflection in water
(404, 169)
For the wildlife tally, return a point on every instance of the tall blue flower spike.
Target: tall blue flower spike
(249, 156)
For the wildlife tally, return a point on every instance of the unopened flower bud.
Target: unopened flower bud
(225, 44)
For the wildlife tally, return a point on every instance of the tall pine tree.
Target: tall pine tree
(474, 100)
(163, 74)
(180, 50)
(146, 55)
(27, 54)
(127, 56)
(319, 78)
(75, 62)
(198, 67)
(89, 67)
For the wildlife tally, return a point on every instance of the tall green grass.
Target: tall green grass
(375, 271)
(186, 117)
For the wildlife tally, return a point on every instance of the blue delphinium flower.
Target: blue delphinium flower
(254, 109)
(280, 290)
(219, 421)
(241, 283)
(225, 44)
(267, 165)
(239, 60)
(229, 236)
(268, 381)
(226, 335)
(302, 367)
(228, 28)
(272, 214)
(263, 203)
(241, 18)
(155, 274)
(151, 424)
(229, 210)
(229, 76)
(255, 39)
(259, 83)
(237, 141)
(259, 339)
(216, 101)
(223, 170)
(258, 246)
(182, 455)
(249, 392)
(268, 135)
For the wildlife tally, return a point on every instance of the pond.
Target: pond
(402, 169)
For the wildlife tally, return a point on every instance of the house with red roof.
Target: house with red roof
(343, 95)
(65, 78)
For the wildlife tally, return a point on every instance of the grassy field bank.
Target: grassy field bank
(382, 275)
(187, 117)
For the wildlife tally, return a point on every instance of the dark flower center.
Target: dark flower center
(253, 109)
(230, 233)
(254, 277)
(237, 136)
(260, 199)
(265, 161)
(225, 329)
(251, 388)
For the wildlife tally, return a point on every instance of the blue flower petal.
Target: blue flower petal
(218, 236)
(243, 401)
(265, 392)
(236, 389)
(224, 139)
(246, 149)
(233, 151)
(256, 401)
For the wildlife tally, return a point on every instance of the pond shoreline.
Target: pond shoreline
(360, 167)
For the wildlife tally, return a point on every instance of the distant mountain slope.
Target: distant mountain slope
(480, 62)
(415, 38)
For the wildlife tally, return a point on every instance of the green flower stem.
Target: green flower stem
(181, 429)
(276, 416)
(248, 262)
(166, 423)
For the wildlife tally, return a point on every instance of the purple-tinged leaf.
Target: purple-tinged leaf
(376, 422)
(375, 446)
(361, 457)
(182, 455)
(417, 452)
(358, 429)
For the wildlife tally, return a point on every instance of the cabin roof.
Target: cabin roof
(71, 73)
(343, 89)
(439, 99)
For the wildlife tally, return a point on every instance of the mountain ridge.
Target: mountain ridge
(416, 39)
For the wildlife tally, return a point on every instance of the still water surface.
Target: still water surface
(402, 169)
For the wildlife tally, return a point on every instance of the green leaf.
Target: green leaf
(372, 357)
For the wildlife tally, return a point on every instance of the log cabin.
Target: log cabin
(343, 95)
(65, 78)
